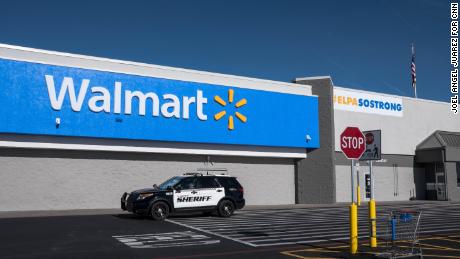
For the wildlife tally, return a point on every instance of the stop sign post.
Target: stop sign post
(353, 145)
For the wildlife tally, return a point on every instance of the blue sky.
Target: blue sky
(361, 44)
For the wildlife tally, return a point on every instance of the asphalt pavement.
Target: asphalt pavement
(287, 232)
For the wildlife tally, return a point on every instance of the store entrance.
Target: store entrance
(435, 177)
(440, 181)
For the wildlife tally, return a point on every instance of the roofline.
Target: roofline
(312, 78)
(159, 67)
(426, 139)
(448, 132)
(438, 137)
(391, 95)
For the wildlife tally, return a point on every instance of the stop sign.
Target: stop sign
(352, 143)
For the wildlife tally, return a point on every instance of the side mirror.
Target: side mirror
(169, 188)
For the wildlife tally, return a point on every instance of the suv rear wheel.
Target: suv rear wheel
(225, 208)
(159, 211)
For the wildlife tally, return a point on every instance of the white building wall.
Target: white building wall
(400, 135)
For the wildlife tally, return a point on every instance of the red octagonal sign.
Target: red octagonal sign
(352, 143)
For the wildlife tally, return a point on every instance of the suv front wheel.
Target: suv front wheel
(225, 208)
(159, 210)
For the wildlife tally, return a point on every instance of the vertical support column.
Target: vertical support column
(352, 181)
(312, 187)
(358, 187)
(353, 215)
(372, 212)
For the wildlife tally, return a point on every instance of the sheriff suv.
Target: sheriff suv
(191, 192)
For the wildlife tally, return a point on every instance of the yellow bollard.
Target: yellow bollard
(353, 228)
(372, 223)
(358, 195)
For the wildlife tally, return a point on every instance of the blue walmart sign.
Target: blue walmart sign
(89, 103)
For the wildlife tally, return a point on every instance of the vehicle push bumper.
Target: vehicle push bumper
(124, 200)
(128, 202)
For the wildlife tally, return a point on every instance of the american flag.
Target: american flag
(414, 78)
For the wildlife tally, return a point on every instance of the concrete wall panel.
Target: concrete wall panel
(453, 190)
(50, 180)
(388, 187)
(315, 175)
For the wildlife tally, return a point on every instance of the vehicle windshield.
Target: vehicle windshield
(171, 182)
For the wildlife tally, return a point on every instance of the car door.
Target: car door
(185, 194)
(209, 191)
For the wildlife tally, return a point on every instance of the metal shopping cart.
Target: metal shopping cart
(402, 235)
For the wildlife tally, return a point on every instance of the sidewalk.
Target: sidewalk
(84, 212)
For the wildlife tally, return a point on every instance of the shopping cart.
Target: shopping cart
(401, 238)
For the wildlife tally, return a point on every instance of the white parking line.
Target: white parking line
(212, 233)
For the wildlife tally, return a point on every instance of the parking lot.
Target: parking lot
(272, 227)
(296, 232)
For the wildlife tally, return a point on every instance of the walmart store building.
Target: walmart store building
(78, 131)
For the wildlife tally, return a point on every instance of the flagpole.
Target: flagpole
(414, 81)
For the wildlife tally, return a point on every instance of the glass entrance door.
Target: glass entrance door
(440, 177)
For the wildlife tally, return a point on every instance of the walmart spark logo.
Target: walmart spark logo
(238, 104)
